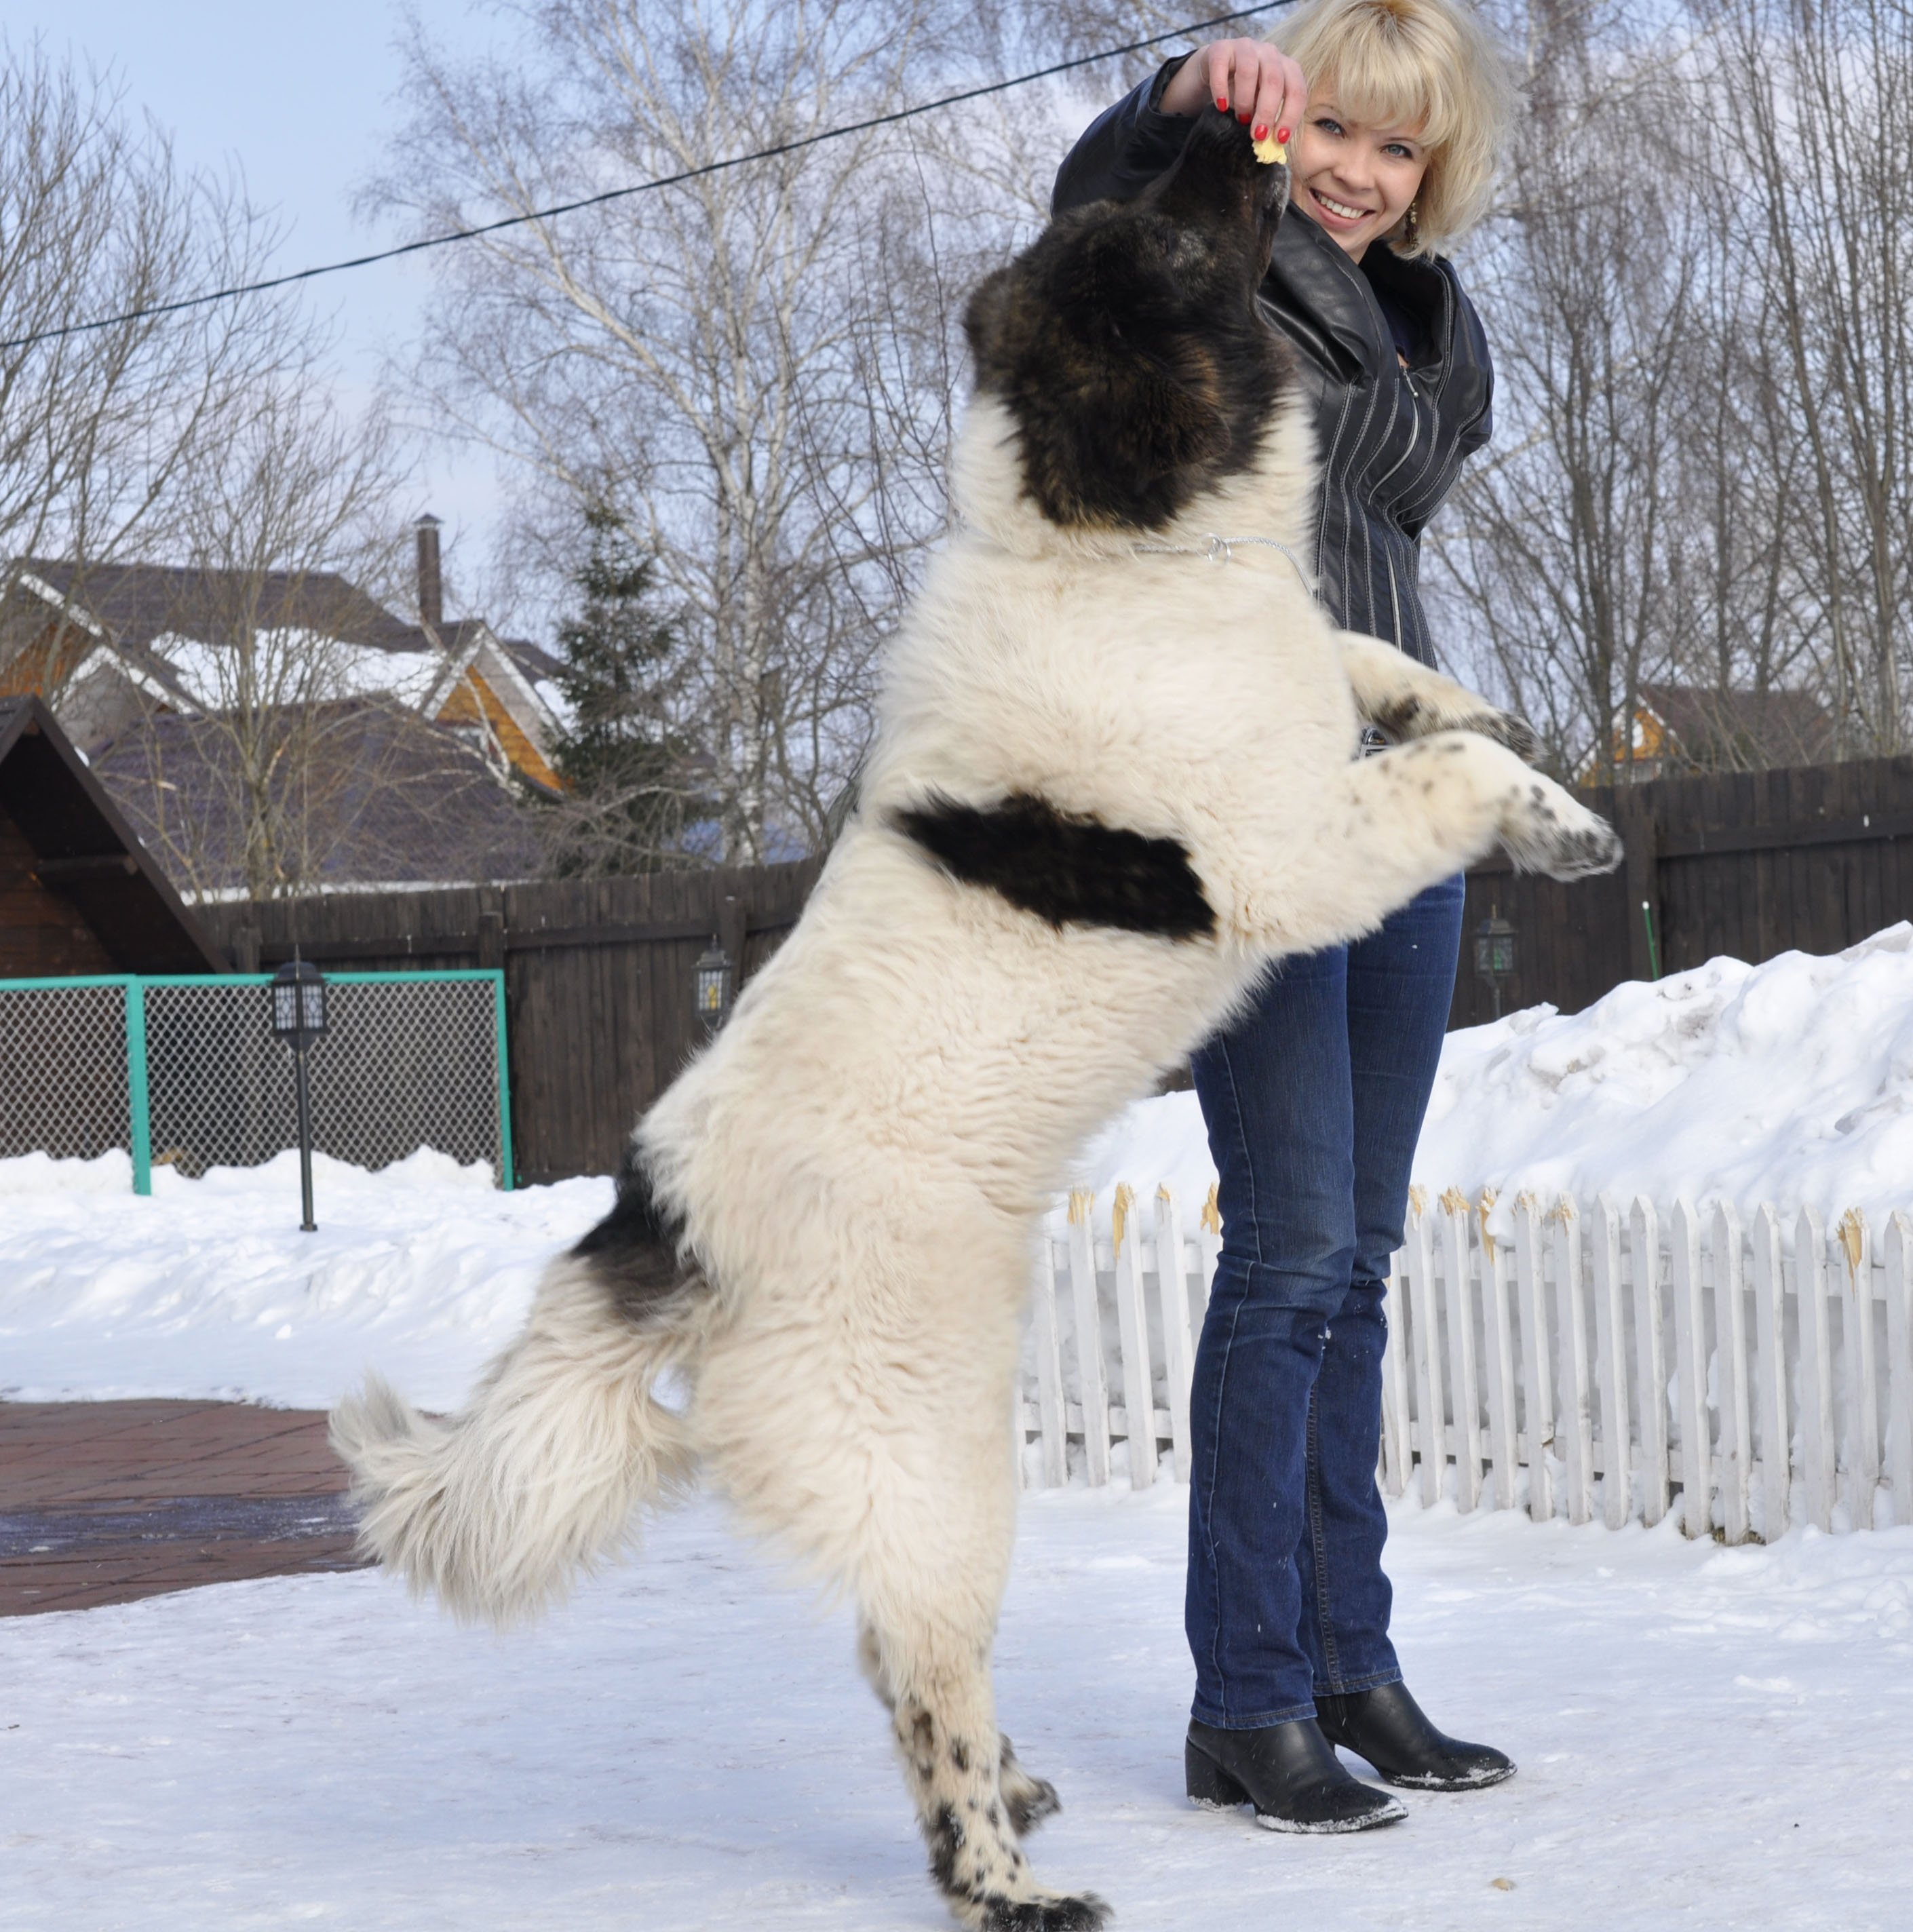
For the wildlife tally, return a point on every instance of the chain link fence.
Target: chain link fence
(186, 1072)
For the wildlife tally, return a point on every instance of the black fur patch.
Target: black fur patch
(1068, 870)
(635, 1249)
(1127, 344)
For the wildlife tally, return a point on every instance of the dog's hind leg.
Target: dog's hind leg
(930, 1585)
(1029, 1800)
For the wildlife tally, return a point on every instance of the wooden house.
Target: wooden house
(112, 645)
(79, 893)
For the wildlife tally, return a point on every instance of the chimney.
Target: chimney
(431, 586)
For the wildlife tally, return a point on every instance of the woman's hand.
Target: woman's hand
(1260, 85)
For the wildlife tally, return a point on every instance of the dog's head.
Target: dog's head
(1126, 344)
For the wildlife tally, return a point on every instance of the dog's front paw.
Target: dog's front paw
(1505, 728)
(1545, 831)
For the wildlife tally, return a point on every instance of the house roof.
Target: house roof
(140, 602)
(385, 796)
(1743, 730)
(86, 850)
(156, 621)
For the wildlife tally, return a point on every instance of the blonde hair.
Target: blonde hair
(1408, 62)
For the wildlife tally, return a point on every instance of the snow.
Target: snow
(1791, 1082)
(207, 1289)
(1715, 1737)
(302, 662)
(1706, 1737)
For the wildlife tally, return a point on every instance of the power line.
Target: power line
(640, 187)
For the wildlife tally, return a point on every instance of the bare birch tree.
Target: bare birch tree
(750, 368)
(97, 220)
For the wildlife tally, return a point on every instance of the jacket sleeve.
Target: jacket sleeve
(1124, 149)
(1476, 435)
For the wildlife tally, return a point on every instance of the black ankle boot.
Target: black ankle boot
(1386, 1727)
(1289, 1773)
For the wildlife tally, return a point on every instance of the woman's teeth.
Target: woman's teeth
(1340, 208)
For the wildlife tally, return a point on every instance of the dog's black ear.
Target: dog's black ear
(988, 320)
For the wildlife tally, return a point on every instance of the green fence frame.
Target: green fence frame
(134, 985)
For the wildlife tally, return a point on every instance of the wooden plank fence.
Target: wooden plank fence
(1622, 1361)
(597, 978)
(1750, 864)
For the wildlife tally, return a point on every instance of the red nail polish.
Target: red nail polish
(1261, 134)
(1243, 119)
(1222, 104)
(1282, 135)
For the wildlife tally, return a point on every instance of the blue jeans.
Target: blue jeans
(1314, 1101)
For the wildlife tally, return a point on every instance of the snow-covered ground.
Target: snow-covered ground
(1707, 1738)
(206, 1288)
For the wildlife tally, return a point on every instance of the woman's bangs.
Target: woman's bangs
(1389, 84)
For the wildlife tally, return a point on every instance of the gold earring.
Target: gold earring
(1411, 224)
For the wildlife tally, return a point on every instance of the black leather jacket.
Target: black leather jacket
(1390, 440)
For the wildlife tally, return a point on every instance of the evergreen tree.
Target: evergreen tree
(627, 794)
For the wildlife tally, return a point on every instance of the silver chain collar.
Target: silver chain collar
(1221, 549)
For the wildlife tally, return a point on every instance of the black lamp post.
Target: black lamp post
(1495, 954)
(712, 987)
(299, 1018)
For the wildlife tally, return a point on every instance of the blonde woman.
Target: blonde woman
(1394, 112)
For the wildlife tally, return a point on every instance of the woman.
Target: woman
(1314, 1099)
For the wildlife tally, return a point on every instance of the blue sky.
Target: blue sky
(301, 98)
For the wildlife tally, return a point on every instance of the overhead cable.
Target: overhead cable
(638, 188)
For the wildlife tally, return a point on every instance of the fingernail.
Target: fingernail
(1261, 134)
(1221, 104)
(1243, 118)
(1282, 135)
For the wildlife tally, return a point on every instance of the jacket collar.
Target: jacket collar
(1328, 300)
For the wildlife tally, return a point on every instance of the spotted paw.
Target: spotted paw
(1545, 831)
(1505, 728)
(1053, 1913)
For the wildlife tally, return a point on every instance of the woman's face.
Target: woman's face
(1353, 179)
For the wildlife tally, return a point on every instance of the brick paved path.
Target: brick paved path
(103, 1501)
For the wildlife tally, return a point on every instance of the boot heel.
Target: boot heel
(1208, 1783)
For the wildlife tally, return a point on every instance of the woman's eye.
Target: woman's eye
(1400, 153)
(1329, 126)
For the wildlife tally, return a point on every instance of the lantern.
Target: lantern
(711, 987)
(299, 1018)
(1495, 954)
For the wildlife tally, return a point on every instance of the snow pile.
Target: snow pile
(1706, 1738)
(1791, 1082)
(207, 1289)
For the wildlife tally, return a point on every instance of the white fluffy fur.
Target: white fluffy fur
(861, 1156)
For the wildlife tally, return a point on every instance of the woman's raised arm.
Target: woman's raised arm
(1124, 149)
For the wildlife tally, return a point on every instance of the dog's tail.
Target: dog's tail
(499, 1511)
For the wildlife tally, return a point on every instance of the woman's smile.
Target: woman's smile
(1356, 180)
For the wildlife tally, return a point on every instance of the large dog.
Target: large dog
(1114, 777)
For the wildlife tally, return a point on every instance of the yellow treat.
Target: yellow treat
(1271, 151)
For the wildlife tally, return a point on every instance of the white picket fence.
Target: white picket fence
(1605, 1360)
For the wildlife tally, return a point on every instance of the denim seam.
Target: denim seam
(1211, 1562)
(1318, 1542)
(1288, 1714)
